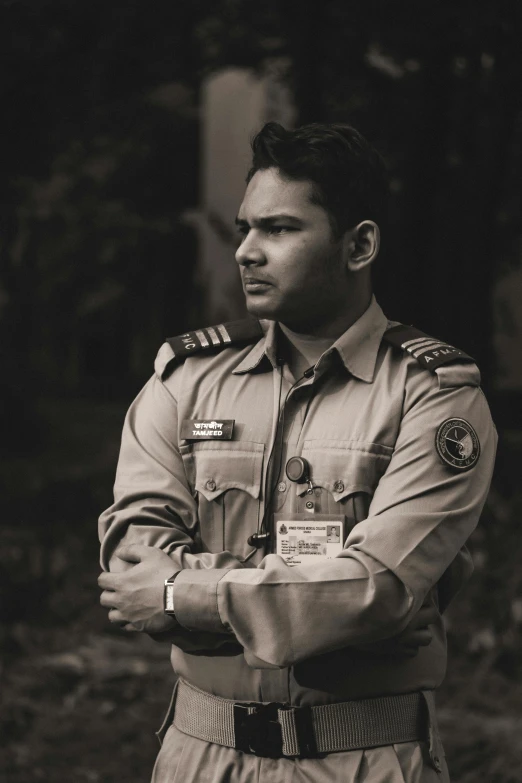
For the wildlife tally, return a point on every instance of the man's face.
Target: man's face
(291, 266)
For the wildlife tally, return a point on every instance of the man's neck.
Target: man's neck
(334, 325)
(303, 350)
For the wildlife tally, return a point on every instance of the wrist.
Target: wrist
(168, 596)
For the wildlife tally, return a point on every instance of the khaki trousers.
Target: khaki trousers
(184, 759)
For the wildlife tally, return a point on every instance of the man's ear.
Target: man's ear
(361, 245)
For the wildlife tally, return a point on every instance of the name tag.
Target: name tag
(303, 539)
(207, 429)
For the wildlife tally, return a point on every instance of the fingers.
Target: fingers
(411, 635)
(108, 598)
(133, 553)
(412, 640)
(116, 618)
(424, 617)
(409, 648)
(107, 581)
(422, 638)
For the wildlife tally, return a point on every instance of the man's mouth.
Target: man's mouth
(255, 284)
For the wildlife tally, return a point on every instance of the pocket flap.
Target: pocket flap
(234, 465)
(346, 467)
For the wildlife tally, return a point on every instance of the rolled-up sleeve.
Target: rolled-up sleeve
(421, 515)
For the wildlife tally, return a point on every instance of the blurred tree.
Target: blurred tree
(100, 154)
(100, 157)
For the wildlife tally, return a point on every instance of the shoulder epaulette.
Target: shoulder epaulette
(429, 352)
(216, 337)
(211, 338)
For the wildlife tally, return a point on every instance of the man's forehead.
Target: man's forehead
(269, 194)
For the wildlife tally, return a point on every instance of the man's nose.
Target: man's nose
(250, 251)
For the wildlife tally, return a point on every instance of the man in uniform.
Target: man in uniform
(249, 442)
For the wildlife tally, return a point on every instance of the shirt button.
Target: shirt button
(211, 485)
(281, 486)
(339, 486)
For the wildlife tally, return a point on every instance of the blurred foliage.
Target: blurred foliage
(100, 158)
(100, 162)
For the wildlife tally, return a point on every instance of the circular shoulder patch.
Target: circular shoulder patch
(458, 444)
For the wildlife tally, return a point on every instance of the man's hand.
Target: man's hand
(406, 644)
(135, 596)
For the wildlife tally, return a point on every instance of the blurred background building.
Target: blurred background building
(125, 143)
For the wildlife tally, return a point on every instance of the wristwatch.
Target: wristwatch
(168, 595)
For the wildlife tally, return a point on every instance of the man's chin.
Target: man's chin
(261, 309)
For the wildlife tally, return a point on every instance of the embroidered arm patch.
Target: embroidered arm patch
(458, 444)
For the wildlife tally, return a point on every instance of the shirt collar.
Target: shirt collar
(265, 349)
(357, 347)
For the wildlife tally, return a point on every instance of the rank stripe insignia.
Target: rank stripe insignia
(419, 345)
(213, 335)
(217, 337)
(412, 344)
(428, 351)
(428, 346)
(222, 329)
(200, 334)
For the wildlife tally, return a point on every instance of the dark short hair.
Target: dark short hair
(348, 175)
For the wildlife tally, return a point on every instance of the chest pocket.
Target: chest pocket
(227, 482)
(347, 473)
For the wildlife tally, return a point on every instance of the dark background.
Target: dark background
(99, 161)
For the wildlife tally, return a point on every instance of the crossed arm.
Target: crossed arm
(134, 599)
(374, 591)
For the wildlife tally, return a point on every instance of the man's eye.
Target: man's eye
(278, 229)
(242, 230)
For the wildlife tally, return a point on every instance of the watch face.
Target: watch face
(457, 444)
(169, 598)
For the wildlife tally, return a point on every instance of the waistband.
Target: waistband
(277, 730)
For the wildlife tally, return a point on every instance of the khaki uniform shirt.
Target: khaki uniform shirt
(366, 421)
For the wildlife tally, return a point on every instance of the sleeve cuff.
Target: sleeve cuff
(196, 599)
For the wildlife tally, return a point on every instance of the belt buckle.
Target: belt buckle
(257, 729)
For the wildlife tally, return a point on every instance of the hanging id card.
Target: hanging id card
(302, 539)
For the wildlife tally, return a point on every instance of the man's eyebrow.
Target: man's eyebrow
(269, 219)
